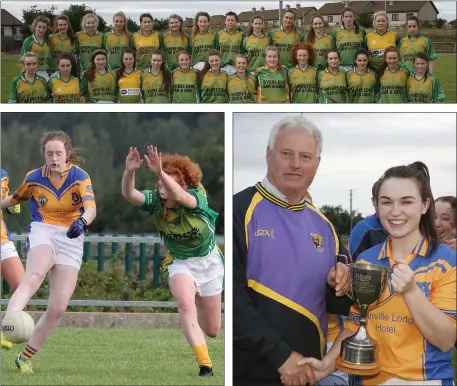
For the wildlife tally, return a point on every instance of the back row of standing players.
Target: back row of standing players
(347, 40)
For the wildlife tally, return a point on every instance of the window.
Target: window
(409, 14)
(330, 19)
(395, 17)
(3, 32)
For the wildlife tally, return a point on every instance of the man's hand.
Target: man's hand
(339, 279)
(322, 369)
(294, 375)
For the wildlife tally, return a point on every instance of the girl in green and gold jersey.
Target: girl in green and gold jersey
(65, 87)
(255, 43)
(117, 41)
(145, 41)
(88, 40)
(29, 87)
(422, 86)
(319, 41)
(155, 84)
(179, 208)
(348, 38)
(62, 41)
(332, 86)
(201, 41)
(174, 41)
(392, 78)
(98, 83)
(184, 81)
(212, 80)
(271, 79)
(38, 43)
(128, 79)
(303, 77)
(241, 86)
(362, 82)
(229, 42)
(414, 43)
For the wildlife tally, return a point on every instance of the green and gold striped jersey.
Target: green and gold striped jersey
(284, 42)
(172, 45)
(254, 48)
(184, 87)
(303, 84)
(22, 91)
(59, 46)
(321, 46)
(103, 88)
(200, 44)
(332, 87)
(362, 88)
(409, 48)
(272, 86)
(241, 90)
(144, 45)
(213, 88)
(152, 86)
(393, 86)
(377, 43)
(65, 91)
(424, 90)
(129, 86)
(42, 50)
(229, 44)
(86, 44)
(347, 42)
(115, 44)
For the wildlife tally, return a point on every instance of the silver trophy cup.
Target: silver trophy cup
(359, 352)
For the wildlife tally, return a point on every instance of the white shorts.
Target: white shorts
(199, 66)
(229, 69)
(66, 251)
(398, 381)
(336, 378)
(43, 74)
(8, 250)
(207, 272)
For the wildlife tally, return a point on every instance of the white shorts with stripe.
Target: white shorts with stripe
(8, 250)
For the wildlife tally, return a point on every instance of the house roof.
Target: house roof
(217, 20)
(272, 14)
(400, 6)
(337, 8)
(8, 20)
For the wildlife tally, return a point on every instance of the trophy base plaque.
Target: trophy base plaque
(370, 369)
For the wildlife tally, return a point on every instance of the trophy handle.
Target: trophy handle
(344, 260)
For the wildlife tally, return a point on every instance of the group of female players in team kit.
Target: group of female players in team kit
(282, 66)
(62, 204)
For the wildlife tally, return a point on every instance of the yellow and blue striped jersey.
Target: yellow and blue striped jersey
(56, 203)
(61, 91)
(23, 91)
(5, 236)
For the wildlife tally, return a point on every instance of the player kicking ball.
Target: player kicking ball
(180, 212)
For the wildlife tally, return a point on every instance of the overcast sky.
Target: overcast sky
(187, 8)
(358, 148)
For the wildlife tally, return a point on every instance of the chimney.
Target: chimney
(298, 5)
(262, 9)
(253, 9)
(288, 6)
(346, 4)
(391, 3)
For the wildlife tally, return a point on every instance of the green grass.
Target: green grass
(445, 71)
(107, 356)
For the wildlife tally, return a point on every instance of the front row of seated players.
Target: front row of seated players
(271, 83)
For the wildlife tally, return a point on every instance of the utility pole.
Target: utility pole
(280, 13)
(350, 209)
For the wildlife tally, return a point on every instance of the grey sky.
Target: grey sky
(358, 148)
(163, 9)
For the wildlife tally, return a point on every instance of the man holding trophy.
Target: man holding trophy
(403, 328)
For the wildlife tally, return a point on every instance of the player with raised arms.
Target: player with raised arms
(62, 204)
(181, 214)
(255, 43)
(319, 41)
(212, 80)
(117, 41)
(331, 82)
(348, 38)
(229, 42)
(415, 343)
(202, 40)
(128, 79)
(99, 85)
(29, 87)
(65, 86)
(174, 41)
(303, 77)
(155, 84)
(62, 41)
(88, 40)
(12, 269)
(362, 82)
(271, 79)
(39, 44)
(145, 41)
(241, 86)
(422, 86)
(184, 81)
(392, 78)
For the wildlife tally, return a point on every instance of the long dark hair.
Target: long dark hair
(163, 69)
(195, 28)
(384, 65)
(356, 25)
(418, 172)
(120, 70)
(71, 58)
(452, 201)
(361, 51)
(70, 32)
(251, 30)
(90, 72)
(423, 56)
(311, 36)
